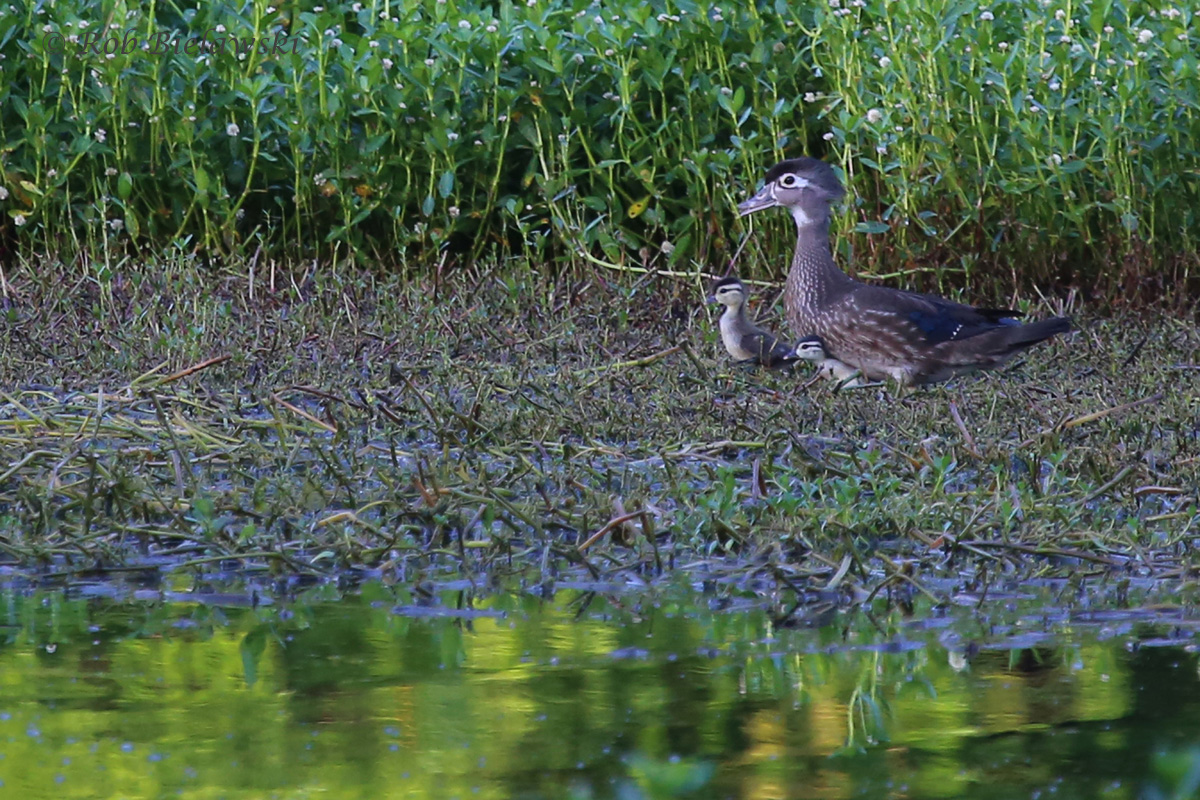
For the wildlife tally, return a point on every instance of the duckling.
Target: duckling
(812, 350)
(744, 340)
(887, 333)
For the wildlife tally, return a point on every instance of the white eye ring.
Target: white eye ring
(787, 181)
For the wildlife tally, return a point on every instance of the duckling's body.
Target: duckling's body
(886, 333)
(744, 340)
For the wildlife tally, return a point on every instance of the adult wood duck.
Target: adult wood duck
(912, 338)
(744, 340)
(812, 350)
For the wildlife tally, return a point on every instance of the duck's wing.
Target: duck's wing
(923, 318)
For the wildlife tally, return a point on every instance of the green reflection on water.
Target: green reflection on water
(341, 697)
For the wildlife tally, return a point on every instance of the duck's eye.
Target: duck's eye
(787, 181)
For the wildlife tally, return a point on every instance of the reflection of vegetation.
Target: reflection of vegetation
(1178, 776)
(345, 696)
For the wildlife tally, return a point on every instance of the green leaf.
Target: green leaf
(124, 186)
(872, 227)
(446, 183)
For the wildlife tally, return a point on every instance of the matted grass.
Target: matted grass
(506, 421)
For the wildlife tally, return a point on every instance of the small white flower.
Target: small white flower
(478, 143)
(1108, 29)
(810, 97)
(1129, 62)
(667, 248)
(452, 136)
(1054, 160)
(19, 220)
(885, 62)
(318, 9)
(101, 134)
(220, 29)
(3, 193)
(110, 171)
(1145, 35)
(454, 212)
(83, 24)
(725, 90)
(987, 16)
(609, 53)
(1182, 37)
(373, 44)
(464, 24)
(1055, 86)
(881, 149)
(116, 224)
(490, 29)
(827, 137)
(357, 7)
(387, 63)
(1060, 15)
(47, 28)
(577, 58)
(232, 129)
(1003, 45)
(599, 20)
(429, 62)
(874, 115)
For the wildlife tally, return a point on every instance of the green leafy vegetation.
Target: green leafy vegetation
(1016, 144)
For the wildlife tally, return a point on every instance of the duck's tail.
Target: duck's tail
(1015, 338)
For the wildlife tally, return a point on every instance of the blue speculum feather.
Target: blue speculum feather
(945, 326)
(939, 327)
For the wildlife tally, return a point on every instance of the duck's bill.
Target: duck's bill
(764, 199)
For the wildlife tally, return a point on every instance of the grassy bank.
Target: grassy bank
(1014, 145)
(502, 420)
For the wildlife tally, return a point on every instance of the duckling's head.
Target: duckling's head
(806, 187)
(729, 292)
(810, 348)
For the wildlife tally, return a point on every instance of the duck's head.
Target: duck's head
(806, 187)
(810, 348)
(729, 292)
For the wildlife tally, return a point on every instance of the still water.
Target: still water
(110, 692)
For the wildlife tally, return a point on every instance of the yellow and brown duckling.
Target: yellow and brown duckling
(743, 340)
(886, 333)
